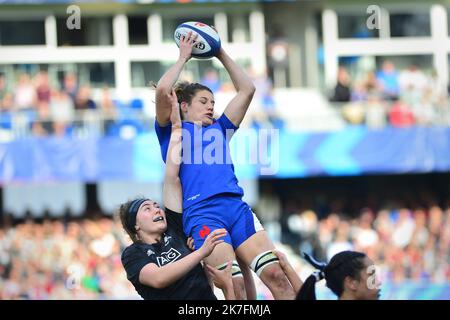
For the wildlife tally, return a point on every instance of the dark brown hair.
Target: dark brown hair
(186, 91)
(123, 211)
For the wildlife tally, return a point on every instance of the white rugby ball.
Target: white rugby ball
(208, 40)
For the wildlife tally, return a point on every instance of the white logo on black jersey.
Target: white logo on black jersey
(168, 257)
(166, 240)
(150, 252)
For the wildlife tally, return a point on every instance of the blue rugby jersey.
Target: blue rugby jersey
(206, 168)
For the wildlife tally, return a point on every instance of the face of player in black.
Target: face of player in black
(151, 220)
(366, 287)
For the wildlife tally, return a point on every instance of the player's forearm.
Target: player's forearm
(172, 191)
(164, 89)
(240, 80)
(293, 278)
(172, 272)
(228, 291)
(250, 288)
(168, 80)
(173, 159)
(249, 283)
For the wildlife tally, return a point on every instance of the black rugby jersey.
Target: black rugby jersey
(193, 286)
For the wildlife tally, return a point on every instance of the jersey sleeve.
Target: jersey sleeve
(175, 222)
(133, 260)
(163, 134)
(226, 125)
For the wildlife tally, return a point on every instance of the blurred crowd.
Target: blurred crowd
(42, 106)
(401, 98)
(36, 105)
(56, 260)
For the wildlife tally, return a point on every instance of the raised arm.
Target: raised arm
(236, 109)
(161, 277)
(168, 80)
(172, 191)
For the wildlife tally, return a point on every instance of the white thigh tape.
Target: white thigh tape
(263, 260)
(235, 269)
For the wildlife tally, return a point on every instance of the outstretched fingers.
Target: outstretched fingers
(190, 38)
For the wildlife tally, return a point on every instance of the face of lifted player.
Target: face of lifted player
(201, 108)
(151, 219)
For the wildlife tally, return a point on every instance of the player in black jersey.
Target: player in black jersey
(159, 263)
(350, 275)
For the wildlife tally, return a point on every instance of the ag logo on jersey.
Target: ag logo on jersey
(168, 257)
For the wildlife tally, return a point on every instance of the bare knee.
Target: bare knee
(274, 273)
(275, 278)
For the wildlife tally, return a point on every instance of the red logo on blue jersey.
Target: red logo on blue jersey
(204, 232)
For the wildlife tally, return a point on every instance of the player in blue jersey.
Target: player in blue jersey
(159, 263)
(212, 198)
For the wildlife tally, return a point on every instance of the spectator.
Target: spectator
(412, 79)
(70, 85)
(266, 114)
(6, 109)
(43, 125)
(413, 83)
(387, 79)
(341, 242)
(342, 89)
(401, 115)
(371, 84)
(403, 229)
(43, 90)
(364, 236)
(424, 111)
(83, 99)
(375, 113)
(359, 91)
(3, 89)
(305, 225)
(439, 99)
(108, 109)
(62, 111)
(436, 221)
(24, 94)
